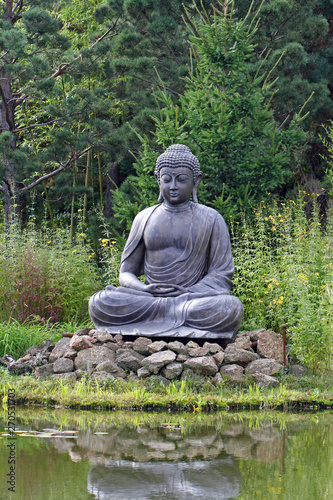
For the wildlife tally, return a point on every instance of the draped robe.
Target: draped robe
(205, 268)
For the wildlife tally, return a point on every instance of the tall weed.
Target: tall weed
(45, 274)
(284, 275)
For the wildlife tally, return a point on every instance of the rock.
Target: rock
(243, 342)
(102, 376)
(187, 373)
(159, 379)
(118, 338)
(129, 359)
(65, 376)
(70, 353)
(254, 334)
(298, 371)
(44, 371)
(80, 373)
(177, 347)
(112, 346)
(157, 346)
(80, 342)
(265, 366)
(182, 357)
(44, 347)
(59, 349)
(172, 370)
(192, 345)
(270, 345)
(141, 344)
(103, 337)
(85, 331)
(241, 357)
(63, 365)
(143, 372)
(198, 351)
(266, 380)
(24, 367)
(218, 358)
(213, 347)
(204, 365)
(110, 367)
(235, 372)
(157, 360)
(127, 345)
(95, 355)
(217, 379)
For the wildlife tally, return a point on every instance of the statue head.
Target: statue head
(177, 156)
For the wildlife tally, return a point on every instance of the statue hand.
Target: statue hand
(165, 290)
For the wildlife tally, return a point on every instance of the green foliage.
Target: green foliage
(284, 275)
(44, 275)
(225, 117)
(16, 337)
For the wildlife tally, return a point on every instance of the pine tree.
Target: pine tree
(49, 114)
(225, 117)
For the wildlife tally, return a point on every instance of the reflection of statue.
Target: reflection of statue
(183, 249)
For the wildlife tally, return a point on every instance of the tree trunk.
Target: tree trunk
(112, 182)
(7, 122)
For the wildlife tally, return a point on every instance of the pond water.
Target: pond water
(78, 455)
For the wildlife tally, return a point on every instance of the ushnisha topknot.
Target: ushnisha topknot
(175, 156)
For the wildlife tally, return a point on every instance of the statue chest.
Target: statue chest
(165, 231)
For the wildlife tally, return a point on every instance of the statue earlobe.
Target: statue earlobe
(160, 198)
(195, 188)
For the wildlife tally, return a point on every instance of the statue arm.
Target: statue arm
(130, 269)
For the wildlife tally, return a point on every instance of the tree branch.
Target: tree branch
(44, 124)
(2, 188)
(158, 84)
(55, 172)
(63, 67)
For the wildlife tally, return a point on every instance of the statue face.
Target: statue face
(176, 184)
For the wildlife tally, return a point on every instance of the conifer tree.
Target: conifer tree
(225, 117)
(49, 115)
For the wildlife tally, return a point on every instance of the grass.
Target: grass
(16, 338)
(194, 394)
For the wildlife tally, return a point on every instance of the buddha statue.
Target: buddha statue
(183, 250)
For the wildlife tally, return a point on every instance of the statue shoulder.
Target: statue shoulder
(208, 211)
(144, 214)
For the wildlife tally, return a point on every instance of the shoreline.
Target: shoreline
(193, 395)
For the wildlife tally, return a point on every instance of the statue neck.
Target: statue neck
(182, 207)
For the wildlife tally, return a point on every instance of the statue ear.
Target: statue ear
(195, 188)
(160, 196)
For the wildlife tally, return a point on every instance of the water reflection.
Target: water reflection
(129, 456)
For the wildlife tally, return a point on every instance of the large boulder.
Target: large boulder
(270, 345)
(235, 372)
(265, 366)
(92, 357)
(141, 344)
(157, 360)
(129, 359)
(172, 370)
(233, 355)
(59, 349)
(63, 365)
(204, 365)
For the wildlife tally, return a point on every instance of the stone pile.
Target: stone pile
(103, 356)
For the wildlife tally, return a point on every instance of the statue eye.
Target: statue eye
(183, 178)
(166, 178)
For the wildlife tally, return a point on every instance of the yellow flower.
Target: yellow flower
(74, 251)
(48, 242)
(81, 235)
(15, 205)
(80, 210)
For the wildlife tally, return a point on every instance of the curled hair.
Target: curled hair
(176, 156)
